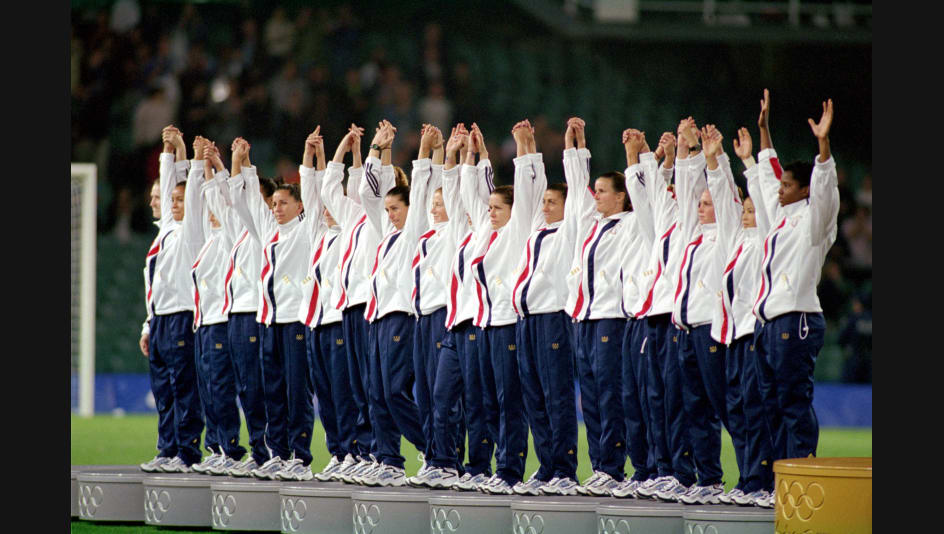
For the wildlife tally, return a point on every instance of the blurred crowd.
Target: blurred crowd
(224, 71)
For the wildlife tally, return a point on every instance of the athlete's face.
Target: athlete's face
(284, 206)
(156, 200)
(177, 202)
(498, 211)
(790, 190)
(608, 200)
(706, 209)
(553, 206)
(439, 208)
(747, 216)
(396, 210)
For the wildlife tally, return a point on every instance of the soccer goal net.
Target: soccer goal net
(83, 287)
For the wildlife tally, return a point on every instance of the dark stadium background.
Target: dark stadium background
(271, 73)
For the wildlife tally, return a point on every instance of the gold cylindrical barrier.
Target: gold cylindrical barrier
(823, 495)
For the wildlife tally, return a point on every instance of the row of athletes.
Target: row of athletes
(678, 303)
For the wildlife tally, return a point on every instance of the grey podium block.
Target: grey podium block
(555, 515)
(245, 504)
(631, 515)
(110, 493)
(177, 499)
(74, 473)
(391, 510)
(728, 519)
(450, 512)
(316, 507)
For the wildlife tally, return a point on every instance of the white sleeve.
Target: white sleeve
(824, 201)
(769, 180)
(726, 203)
(761, 217)
(146, 328)
(416, 221)
(251, 199)
(637, 176)
(469, 186)
(168, 181)
(372, 189)
(341, 207)
(532, 191)
(454, 209)
(192, 226)
(435, 182)
(689, 183)
(311, 198)
(577, 175)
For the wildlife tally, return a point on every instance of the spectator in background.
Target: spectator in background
(150, 116)
(857, 232)
(286, 86)
(195, 89)
(249, 43)
(343, 39)
(279, 35)
(435, 108)
(833, 291)
(310, 30)
(864, 194)
(856, 341)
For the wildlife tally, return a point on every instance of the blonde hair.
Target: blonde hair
(401, 177)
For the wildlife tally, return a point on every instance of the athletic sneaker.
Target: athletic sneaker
(435, 477)
(344, 466)
(603, 486)
(626, 489)
(672, 491)
(243, 468)
(531, 487)
(295, 469)
(549, 487)
(750, 499)
(500, 487)
(269, 469)
(347, 474)
(566, 486)
(769, 501)
(333, 466)
(702, 494)
(649, 488)
(728, 497)
(389, 475)
(176, 465)
(203, 467)
(154, 466)
(589, 482)
(368, 477)
(481, 486)
(468, 482)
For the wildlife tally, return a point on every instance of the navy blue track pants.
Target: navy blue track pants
(331, 380)
(218, 390)
(599, 370)
(355, 333)
(289, 395)
(635, 403)
(245, 346)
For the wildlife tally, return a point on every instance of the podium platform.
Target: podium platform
(823, 495)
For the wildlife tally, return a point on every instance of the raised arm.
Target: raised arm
(192, 225)
(344, 208)
(824, 183)
(763, 122)
(311, 174)
(640, 170)
(530, 180)
(724, 197)
(377, 181)
(473, 179)
(687, 177)
(418, 219)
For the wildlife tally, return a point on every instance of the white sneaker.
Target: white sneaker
(566, 486)
(348, 464)
(484, 485)
(223, 466)
(626, 489)
(243, 468)
(728, 497)
(436, 477)
(295, 469)
(347, 475)
(702, 494)
(672, 491)
(154, 465)
(750, 499)
(368, 477)
(531, 487)
(550, 487)
(500, 487)
(269, 469)
(603, 486)
(390, 476)
(468, 482)
(649, 488)
(204, 465)
(582, 489)
(333, 466)
(176, 465)
(769, 502)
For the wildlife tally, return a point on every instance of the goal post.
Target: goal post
(83, 231)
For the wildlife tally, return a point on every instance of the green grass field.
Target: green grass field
(131, 439)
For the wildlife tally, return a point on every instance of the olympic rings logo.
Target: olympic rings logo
(365, 518)
(695, 528)
(795, 500)
(155, 505)
(90, 498)
(528, 523)
(224, 507)
(608, 525)
(293, 513)
(442, 520)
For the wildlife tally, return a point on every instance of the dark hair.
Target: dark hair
(293, 189)
(507, 192)
(401, 191)
(560, 188)
(618, 180)
(267, 185)
(181, 184)
(801, 171)
(742, 195)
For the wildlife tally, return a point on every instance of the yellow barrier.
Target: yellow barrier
(823, 496)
